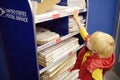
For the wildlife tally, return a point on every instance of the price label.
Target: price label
(70, 53)
(68, 69)
(58, 40)
(55, 16)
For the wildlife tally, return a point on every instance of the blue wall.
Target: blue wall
(102, 16)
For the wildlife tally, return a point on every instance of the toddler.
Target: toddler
(97, 56)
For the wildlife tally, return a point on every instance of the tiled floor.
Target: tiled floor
(110, 75)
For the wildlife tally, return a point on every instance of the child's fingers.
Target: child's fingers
(76, 12)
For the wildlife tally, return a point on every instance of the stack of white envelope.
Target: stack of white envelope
(58, 51)
(72, 25)
(71, 76)
(78, 3)
(44, 36)
(63, 67)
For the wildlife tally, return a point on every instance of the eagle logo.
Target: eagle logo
(2, 12)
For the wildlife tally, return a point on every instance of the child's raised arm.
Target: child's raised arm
(82, 29)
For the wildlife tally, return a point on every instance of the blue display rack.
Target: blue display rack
(17, 32)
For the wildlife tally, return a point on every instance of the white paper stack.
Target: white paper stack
(56, 52)
(44, 36)
(58, 70)
(78, 3)
(72, 76)
(72, 25)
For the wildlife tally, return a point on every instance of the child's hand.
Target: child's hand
(76, 13)
(70, 69)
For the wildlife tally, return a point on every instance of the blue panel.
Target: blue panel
(38, 0)
(102, 15)
(63, 2)
(59, 26)
(3, 68)
(17, 31)
(40, 67)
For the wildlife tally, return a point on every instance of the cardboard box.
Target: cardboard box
(46, 5)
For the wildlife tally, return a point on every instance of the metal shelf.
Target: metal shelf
(57, 12)
(39, 48)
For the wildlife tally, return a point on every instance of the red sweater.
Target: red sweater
(92, 62)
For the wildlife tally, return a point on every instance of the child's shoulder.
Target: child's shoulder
(103, 63)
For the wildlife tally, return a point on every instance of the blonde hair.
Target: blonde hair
(102, 43)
